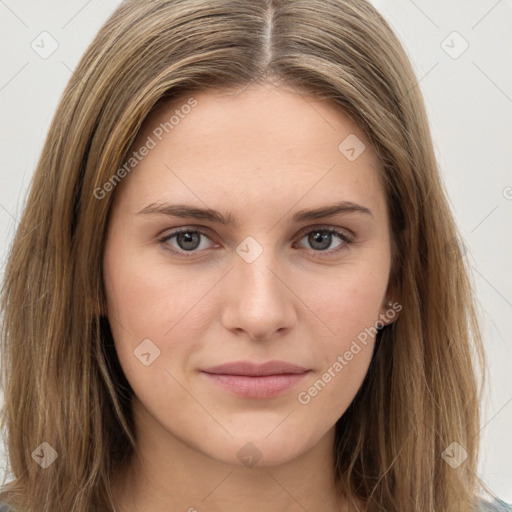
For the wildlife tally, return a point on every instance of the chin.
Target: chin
(262, 444)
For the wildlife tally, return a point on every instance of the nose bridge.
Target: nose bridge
(260, 303)
(255, 267)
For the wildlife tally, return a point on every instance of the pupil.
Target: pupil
(318, 237)
(188, 240)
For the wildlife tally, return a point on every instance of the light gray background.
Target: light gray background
(469, 101)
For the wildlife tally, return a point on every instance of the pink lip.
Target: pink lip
(251, 380)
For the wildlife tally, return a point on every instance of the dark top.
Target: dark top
(487, 506)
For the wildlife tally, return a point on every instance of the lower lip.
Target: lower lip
(263, 386)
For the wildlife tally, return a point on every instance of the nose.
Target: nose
(260, 303)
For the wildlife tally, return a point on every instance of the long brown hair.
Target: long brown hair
(62, 381)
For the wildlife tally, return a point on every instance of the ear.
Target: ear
(390, 311)
(391, 304)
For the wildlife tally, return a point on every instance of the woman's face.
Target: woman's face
(258, 282)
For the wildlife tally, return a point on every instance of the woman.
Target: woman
(236, 284)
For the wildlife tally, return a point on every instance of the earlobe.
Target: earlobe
(391, 304)
(390, 312)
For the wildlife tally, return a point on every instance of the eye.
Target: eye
(320, 239)
(189, 240)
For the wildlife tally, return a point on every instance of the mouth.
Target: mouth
(250, 380)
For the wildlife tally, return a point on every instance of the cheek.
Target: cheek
(347, 303)
(351, 312)
(348, 307)
(148, 301)
(146, 298)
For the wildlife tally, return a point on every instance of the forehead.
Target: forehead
(254, 144)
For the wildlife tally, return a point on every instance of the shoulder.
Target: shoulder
(483, 506)
(5, 508)
(486, 505)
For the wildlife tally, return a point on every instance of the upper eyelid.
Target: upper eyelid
(326, 227)
(205, 230)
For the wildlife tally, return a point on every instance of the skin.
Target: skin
(262, 154)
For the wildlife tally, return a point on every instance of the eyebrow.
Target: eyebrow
(192, 212)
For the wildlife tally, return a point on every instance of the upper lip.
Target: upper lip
(255, 369)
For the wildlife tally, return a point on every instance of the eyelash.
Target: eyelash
(345, 238)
